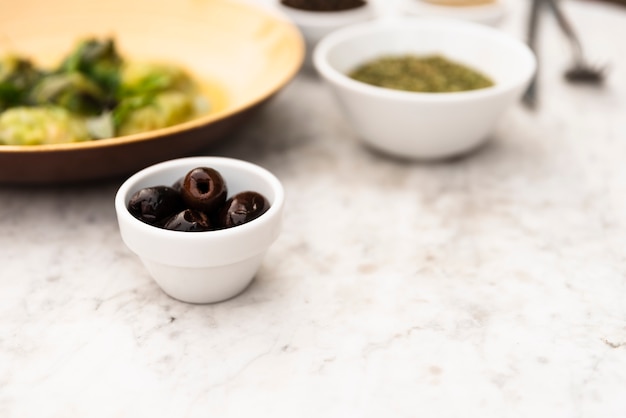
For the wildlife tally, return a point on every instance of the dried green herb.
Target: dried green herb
(428, 74)
(324, 5)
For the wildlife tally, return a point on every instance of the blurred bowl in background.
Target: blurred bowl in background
(243, 53)
(424, 125)
(488, 13)
(314, 25)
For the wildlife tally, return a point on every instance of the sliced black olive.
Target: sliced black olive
(154, 205)
(204, 189)
(189, 220)
(242, 208)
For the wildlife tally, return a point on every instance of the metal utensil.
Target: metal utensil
(530, 96)
(581, 71)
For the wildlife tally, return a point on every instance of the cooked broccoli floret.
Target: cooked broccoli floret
(40, 125)
(17, 76)
(72, 91)
(145, 78)
(98, 60)
(142, 113)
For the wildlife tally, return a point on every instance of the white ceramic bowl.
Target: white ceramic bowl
(202, 267)
(488, 13)
(424, 125)
(315, 25)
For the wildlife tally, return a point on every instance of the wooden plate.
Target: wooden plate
(244, 54)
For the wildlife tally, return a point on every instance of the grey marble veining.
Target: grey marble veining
(491, 285)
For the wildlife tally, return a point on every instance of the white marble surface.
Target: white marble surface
(490, 286)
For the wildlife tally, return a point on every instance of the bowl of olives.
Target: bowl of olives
(201, 225)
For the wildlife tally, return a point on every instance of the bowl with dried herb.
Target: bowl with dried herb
(424, 88)
(317, 18)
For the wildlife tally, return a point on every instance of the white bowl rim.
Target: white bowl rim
(331, 40)
(123, 194)
(485, 12)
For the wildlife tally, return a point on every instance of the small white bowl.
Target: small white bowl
(203, 267)
(490, 13)
(424, 125)
(315, 25)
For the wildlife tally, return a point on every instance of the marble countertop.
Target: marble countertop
(493, 285)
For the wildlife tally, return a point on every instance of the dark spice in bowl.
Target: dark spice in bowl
(427, 74)
(324, 5)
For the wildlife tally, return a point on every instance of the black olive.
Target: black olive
(154, 205)
(242, 208)
(178, 185)
(189, 220)
(204, 189)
